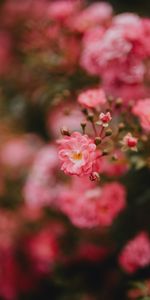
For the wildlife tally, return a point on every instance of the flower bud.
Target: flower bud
(98, 140)
(94, 176)
(105, 152)
(118, 103)
(64, 131)
(121, 127)
(83, 125)
(108, 132)
(91, 117)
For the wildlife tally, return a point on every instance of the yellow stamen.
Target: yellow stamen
(77, 156)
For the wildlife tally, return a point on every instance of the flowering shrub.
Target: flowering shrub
(74, 151)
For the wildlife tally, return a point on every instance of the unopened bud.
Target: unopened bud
(108, 132)
(105, 152)
(98, 140)
(85, 112)
(83, 125)
(130, 104)
(121, 126)
(118, 103)
(66, 93)
(110, 99)
(94, 176)
(90, 117)
(114, 157)
(65, 131)
(144, 138)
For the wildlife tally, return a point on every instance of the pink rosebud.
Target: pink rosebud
(142, 111)
(92, 98)
(136, 253)
(105, 119)
(129, 142)
(77, 153)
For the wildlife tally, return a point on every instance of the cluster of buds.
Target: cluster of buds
(102, 134)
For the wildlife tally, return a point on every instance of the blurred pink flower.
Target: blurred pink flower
(136, 254)
(95, 14)
(67, 115)
(94, 206)
(61, 10)
(118, 55)
(40, 187)
(142, 111)
(19, 152)
(5, 53)
(92, 98)
(116, 167)
(42, 250)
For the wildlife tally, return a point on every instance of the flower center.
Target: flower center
(76, 155)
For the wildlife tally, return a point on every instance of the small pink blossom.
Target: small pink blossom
(92, 98)
(77, 154)
(136, 254)
(105, 119)
(129, 142)
(142, 111)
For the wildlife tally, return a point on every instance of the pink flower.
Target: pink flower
(142, 111)
(115, 167)
(95, 14)
(40, 187)
(67, 115)
(127, 92)
(93, 207)
(118, 56)
(105, 119)
(136, 254)
(92, 98)
(113, 201)
(19, 152)
(42, 249)
(77, 154)
(62, 10)
(129, 142)
(5, 53)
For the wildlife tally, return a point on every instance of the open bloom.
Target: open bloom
(77, 153)
(92, 98)
(129, 142)
(142, 111)
(105, 119)
(136, 253)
